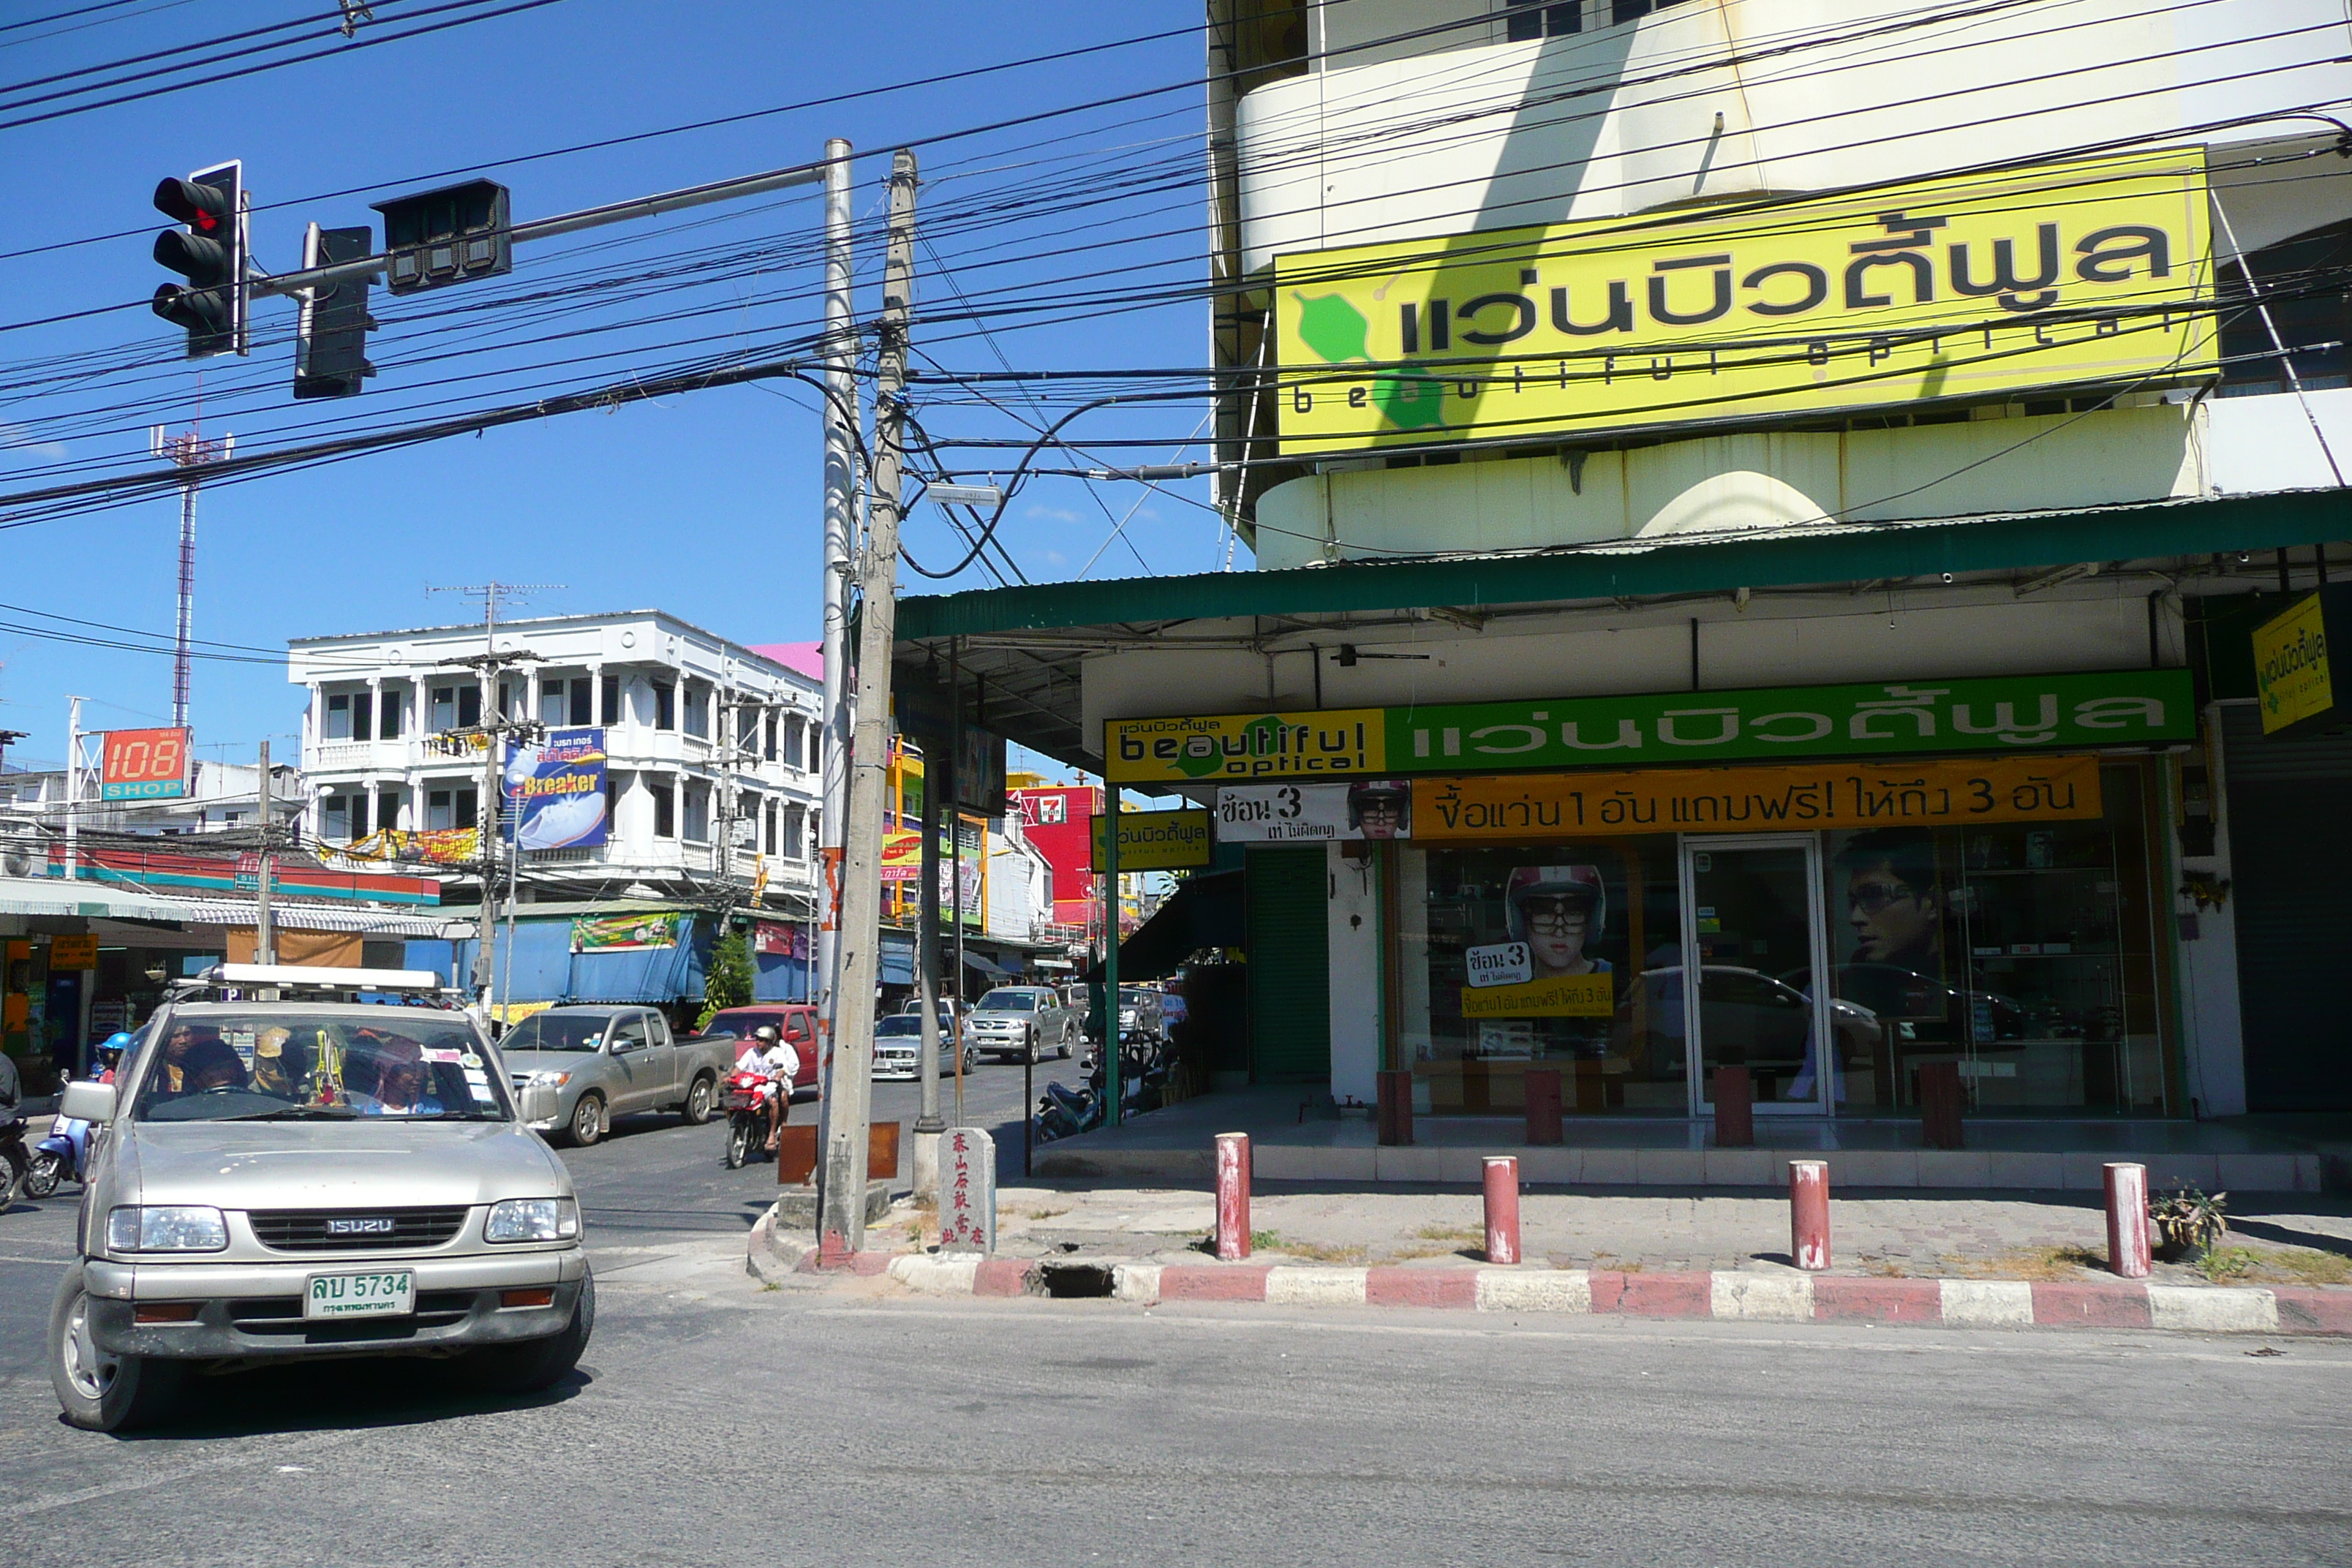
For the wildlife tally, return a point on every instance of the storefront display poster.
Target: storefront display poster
(1304, 813)
(555, 791)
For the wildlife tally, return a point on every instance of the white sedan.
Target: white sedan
(898, 1040)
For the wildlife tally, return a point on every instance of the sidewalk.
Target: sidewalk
(2295, 1239)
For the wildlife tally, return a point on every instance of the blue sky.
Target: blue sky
(705, 505)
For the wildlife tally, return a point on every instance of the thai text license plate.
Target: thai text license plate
(386, 1294)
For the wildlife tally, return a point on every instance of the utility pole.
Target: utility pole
(495, 727)
(265, 935)
(840, 416)
(841, 1219)
(73, 788)
(928, 1123)
(189, 453)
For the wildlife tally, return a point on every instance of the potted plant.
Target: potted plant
(2188, 1222)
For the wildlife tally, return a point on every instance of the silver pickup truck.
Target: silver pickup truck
(282, 1170)
(594, 1063)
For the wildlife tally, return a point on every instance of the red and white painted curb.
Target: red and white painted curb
(1730, 1296)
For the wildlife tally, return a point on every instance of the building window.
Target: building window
(1627, 10)
(456, 707)
(698, 710)
(514, 698)
(339, 718)
(449, 808)
(665, 705)
(388, 715)
(747, 728)
(768, 745)
(612, 713)
(612, 805)
(768, 828)
(1526, 19)
(583, 701)
(387, 809)
(345, 817)
(664, 790)
(553, 702)
(697, 814)
(792, 820)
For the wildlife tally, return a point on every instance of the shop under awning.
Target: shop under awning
(95, 900)
(1203, 911)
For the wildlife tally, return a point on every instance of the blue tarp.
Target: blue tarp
(545, 969)
(776, 978)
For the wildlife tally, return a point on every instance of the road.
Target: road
(716, 1422)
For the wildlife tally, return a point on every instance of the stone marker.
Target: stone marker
(966, 1190)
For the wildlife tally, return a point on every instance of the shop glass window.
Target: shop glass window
(2026, 952)
(1559, 955)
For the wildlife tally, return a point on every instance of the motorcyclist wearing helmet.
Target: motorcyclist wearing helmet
(768, 1053)
(110, 1054)
(1556, 910)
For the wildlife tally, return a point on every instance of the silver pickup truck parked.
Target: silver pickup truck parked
(599, 1062)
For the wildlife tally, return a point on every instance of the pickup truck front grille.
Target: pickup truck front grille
(355, 1230)
(283, 1315)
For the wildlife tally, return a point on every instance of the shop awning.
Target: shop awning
(1203, 911)
(98, 900)
(988, 967)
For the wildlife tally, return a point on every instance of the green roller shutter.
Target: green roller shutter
(1289, 966)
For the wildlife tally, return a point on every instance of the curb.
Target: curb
(1722, 1295)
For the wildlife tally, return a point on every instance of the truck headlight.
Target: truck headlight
(551, 1079)
(153, 1229)
(532, 1219)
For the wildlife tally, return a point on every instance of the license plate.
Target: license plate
(388, 1294)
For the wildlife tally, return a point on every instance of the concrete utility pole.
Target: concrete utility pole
(265, 935)
(840, 414)
(928, 1125)
(840, 1219)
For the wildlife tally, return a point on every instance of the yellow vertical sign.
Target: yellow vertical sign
(2291, 673)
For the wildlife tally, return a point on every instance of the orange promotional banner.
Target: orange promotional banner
(1508, 809)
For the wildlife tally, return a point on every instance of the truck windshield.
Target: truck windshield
(295, 1067)
(556, 1031)
(1008, 1002)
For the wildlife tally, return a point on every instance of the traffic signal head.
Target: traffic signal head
(330, 334)
(209, 252)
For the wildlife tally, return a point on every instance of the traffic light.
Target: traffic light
(209, 252)
(450, 236)
(331, 333)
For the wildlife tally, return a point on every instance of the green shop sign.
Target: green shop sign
(2122, 708)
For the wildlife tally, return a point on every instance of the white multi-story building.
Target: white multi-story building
(710, 746)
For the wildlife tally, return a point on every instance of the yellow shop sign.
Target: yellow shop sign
(1562, 996)
(2094, 271)
(1511, 809)
(2291, 671)
(1332, 742)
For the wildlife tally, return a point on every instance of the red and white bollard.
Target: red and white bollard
(1232, 1195)
(1502, 1208)
(2127, 1244)
(1809, 1214)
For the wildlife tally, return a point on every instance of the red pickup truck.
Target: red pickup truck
(795, 1021)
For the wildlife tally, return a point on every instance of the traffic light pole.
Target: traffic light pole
(841, 1206)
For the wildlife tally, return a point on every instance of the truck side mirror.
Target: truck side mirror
(85, 1101)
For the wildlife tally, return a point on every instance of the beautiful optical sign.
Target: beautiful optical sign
(2093, 271)
(2000, 714)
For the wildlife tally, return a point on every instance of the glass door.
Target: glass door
(1751, 913)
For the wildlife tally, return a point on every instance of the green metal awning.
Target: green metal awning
(1021, 650)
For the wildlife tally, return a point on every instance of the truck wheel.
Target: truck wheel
(1065, 1052)
(536, 1365)
(698, 1100)
(97, 1392)
(588, 1119)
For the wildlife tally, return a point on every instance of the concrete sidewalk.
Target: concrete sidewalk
(2294, 1240)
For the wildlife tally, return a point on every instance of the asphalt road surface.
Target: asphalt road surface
(716, 1422)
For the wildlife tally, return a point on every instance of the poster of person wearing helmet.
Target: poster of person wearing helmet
(1379, 808)
(1558, 910)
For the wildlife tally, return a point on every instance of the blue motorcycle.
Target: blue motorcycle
(64, 1150)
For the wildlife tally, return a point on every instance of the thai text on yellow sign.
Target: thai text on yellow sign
(73, 953)
(1750, 800)
(2091, 271)
(1158, 840)
(1331, 743)
(2290, 674)
(1561, 996)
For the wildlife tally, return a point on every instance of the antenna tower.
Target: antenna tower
(189, 452)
